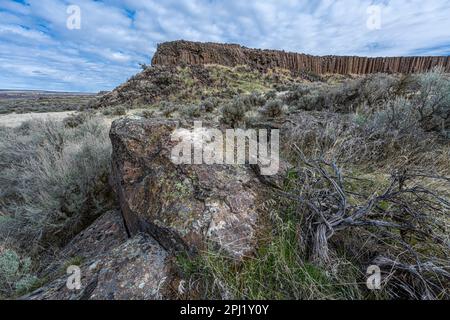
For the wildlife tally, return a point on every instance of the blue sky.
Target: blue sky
(38, 51)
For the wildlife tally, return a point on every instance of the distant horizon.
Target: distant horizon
(48, 91)
(91, 46)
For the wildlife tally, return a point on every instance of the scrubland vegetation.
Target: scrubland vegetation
(369, 185)
(53, 183)
(23, 102)
(368, 181)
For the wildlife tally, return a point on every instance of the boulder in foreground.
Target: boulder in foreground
(184, 207)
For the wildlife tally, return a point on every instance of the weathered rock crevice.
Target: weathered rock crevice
(112, 267)
(196, 53)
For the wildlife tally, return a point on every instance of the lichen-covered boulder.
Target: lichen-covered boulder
(138, 269)
(184, 207)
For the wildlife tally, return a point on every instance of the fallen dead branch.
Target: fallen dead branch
(406, 223)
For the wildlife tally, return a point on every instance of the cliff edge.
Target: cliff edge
(196, 53)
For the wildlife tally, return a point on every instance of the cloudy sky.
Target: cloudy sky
(39, 51)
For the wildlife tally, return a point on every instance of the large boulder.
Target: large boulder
(184, 207)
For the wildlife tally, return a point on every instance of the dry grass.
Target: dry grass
(400, 225)
(370, 185)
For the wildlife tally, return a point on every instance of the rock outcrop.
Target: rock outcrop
(184, 207)
(104, 234)
(165, 208)
(136, 270)
(195, 53)
(112, 267)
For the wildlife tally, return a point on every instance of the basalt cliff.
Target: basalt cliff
(196, 53)
(202, 61)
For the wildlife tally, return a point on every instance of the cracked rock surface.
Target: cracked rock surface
(184, 207)
(138, 269)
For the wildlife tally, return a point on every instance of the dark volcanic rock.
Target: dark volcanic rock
(166, 208)
(104, 234)
(196, 53)
(138, 269)
(112, 266)
(184, 207)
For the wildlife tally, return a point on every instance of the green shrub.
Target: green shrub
(209, 105)
(396, 115)
(272, 94)
(425, 109)
(191, 111)
(119, 111)
(315, 96)
(77, 119)
(346, 96)
(377, 88)
(92, 104)
(148, 114)
(233, 113)
(15, 274)
(273, 109)
(115, 111)
(432, 102)
(422, 100)
(168, 108)
(253, 100)
(54, 180)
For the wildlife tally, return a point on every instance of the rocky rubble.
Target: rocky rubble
(196, 53)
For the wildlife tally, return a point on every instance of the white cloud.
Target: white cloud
(116, 35)
(15, 31)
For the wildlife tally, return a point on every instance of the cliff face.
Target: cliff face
(195, 53)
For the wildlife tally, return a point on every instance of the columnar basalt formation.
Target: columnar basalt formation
(196, 53)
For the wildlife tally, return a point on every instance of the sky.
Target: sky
(88, 45)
